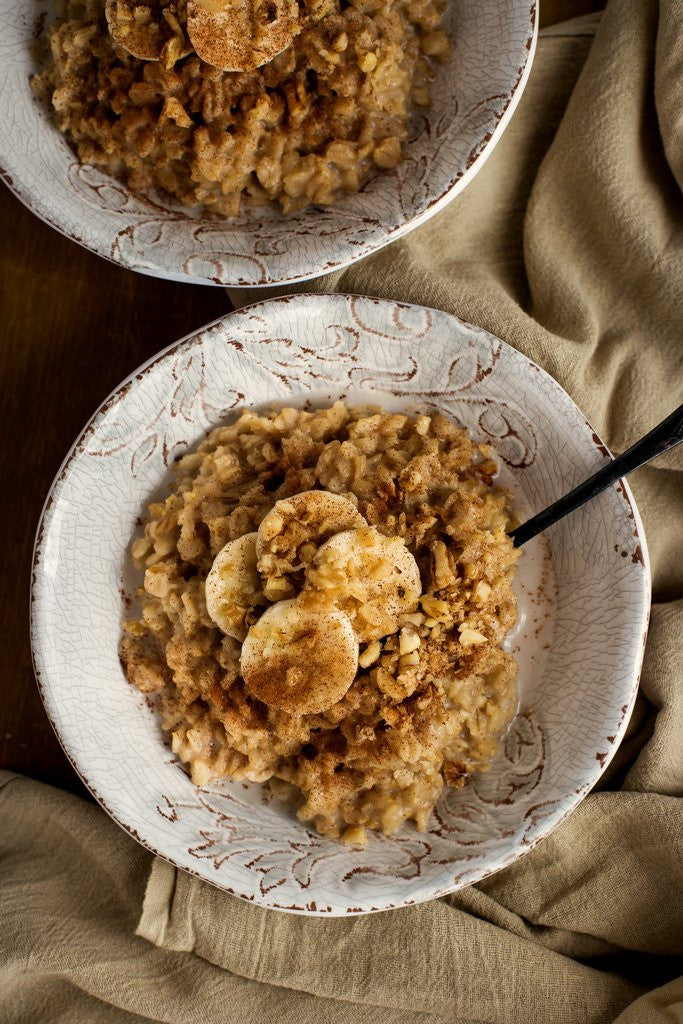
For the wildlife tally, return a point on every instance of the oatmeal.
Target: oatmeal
(309, 126)
(326, 595)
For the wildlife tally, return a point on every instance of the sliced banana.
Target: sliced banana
(233, 586)
(240, 35)
(373, 578)
(233, 35)
(133, 27)
(290, 534)
(300, 659)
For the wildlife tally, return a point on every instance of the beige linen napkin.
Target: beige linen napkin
(568, 246)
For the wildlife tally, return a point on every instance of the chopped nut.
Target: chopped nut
(406, 683)
(277, 587)
(389, 662)
(172, 22)
(409, 641)
(370, 655)
(414, 618)
(434, 607)
(471, 637)
(409, 659)
(171, 52)
(396, 689)
(383, 678)
(272, 526)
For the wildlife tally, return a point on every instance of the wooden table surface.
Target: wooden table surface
(72, 327)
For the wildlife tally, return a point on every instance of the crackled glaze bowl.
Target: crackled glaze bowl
(474, 95)
(583, 590)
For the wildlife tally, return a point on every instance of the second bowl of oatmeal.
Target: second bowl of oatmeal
(279, 626)
(373, 118)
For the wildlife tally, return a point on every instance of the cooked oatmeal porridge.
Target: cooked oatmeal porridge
(326, 595)
(309, 126)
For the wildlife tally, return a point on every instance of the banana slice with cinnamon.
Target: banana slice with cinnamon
(232, 35)
(290, 534)
(240, 35)
(149, 31)
(233, 586)
(373, 578)
(301, 659)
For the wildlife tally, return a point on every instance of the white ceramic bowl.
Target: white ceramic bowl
(474, 95)
(580, 647)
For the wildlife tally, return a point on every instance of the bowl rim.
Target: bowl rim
(45, 521)
(476, 160)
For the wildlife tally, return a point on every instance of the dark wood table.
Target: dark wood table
(72, 327)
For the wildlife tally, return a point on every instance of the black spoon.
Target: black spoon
(665, 436)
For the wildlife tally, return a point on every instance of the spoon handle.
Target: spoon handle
(665, 436)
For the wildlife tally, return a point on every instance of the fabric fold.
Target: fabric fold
(364, 960)
(72, 885)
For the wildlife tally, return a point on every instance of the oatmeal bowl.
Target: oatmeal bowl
(143, 131)
(281, 629)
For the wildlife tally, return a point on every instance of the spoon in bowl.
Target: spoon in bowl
(662, 439)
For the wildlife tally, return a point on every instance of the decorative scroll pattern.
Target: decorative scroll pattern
(474, 94)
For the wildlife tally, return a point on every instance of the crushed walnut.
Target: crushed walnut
(363, 716)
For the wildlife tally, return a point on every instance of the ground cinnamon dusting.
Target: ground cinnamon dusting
(430, 700)
(310, 126)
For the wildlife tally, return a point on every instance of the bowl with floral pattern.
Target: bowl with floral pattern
(583, 592)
